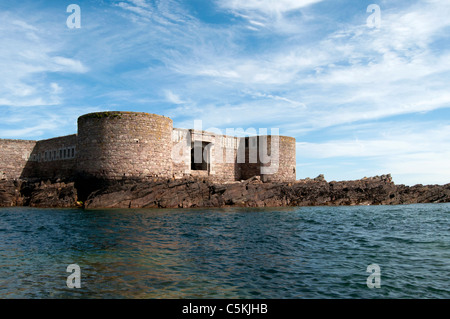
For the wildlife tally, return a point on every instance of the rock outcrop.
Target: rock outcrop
(10, 194)
(187, 193)
(38, 194)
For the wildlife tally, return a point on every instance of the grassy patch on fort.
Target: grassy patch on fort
(101, 115)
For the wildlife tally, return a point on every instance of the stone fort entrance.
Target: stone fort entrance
(201, 156)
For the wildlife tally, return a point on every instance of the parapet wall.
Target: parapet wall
(124, 144)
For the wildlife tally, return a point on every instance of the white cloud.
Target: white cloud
(23, 25)
(294, 104)
(413, 153)
(353, 74)
(290, 71)
(26, 55)
(267, 15)
(173, 98)
(68, 65)
(42, 122)
(140, 3)
(257, 23)
(55, 88)
(266, 6)
(353, 58)
(166, 13)
(390, 139)
(139, 9)
(420, 168)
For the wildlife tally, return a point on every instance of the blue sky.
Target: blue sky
(360, 100)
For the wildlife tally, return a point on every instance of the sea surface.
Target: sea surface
(302, 252)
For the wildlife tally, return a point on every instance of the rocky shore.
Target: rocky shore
(188, 193)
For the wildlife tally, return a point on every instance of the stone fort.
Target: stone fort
(118, 145)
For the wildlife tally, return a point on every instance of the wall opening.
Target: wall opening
(200, 156)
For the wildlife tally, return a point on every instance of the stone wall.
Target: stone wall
(224, 156)
(271, 156)
(181, 152)
(14, 155)
(282, 163)
(219, 152)
(116, 145)
(53, 158)
(233, 158)
(249, 164)
(124, 144)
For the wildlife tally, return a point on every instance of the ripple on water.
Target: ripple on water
(305, 252)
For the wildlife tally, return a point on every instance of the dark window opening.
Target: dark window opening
(198, 161)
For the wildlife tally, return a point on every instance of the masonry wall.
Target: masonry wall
(141, 145)
(271, 157)
(124, 144)
(224, 156)
(53, 158)
(221, 154)
(14, 156)
(181, 152)
(282, 163)
(234, 158)
(249, 164)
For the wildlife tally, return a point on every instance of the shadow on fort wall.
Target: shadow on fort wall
(48, 170)
(51, 159)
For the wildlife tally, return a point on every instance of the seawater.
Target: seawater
(302, 252)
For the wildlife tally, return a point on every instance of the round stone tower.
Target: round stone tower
(114, 145)
(280, 163)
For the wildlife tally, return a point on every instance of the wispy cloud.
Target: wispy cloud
(167, 12)
(45, 120)
(290, 64)
(413, 152)
(265, 14)
(266, 6)
(428, 140)
(352, 74)
(173, 98)
(26, 56)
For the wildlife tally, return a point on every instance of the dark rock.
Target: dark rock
(39, 194)
(378, 190)
(53, 195)
(320, 178)
(10, 193)
(190, 192)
